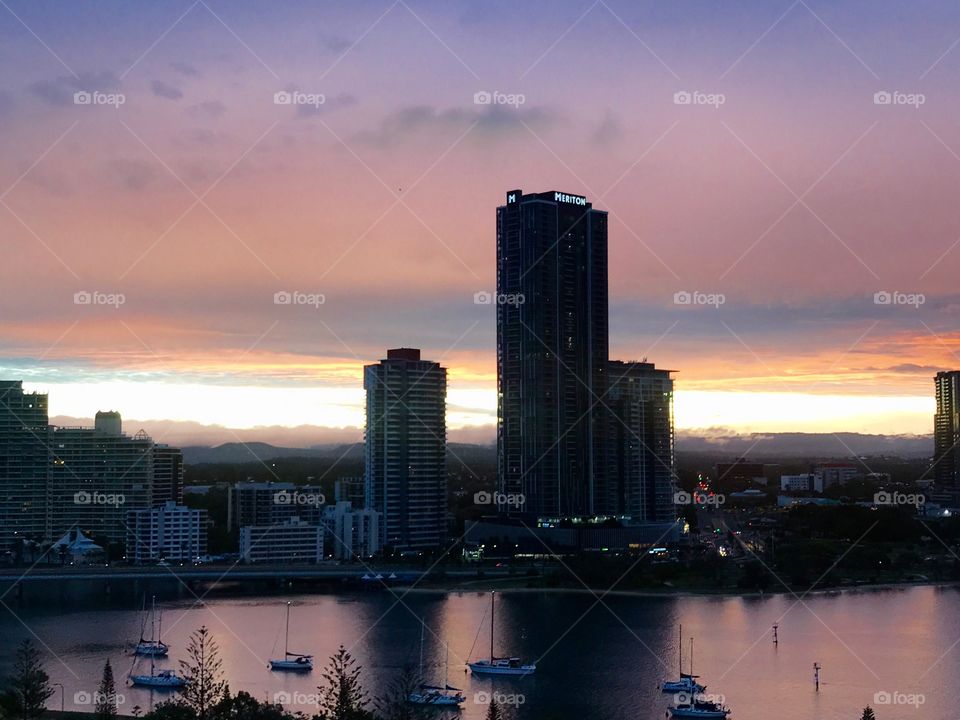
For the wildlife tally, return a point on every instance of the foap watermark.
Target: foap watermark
(895, 97)
(883, 697)
(83, 97)
(295, 97)
(96, 497)
(95, 297)
(484, 97)
(511, 699)
(698, 498)
(686, 297)
(896, 498)
(296, 698)
(884, 297)
(482, 297)
(499, 499)
(284, 297)
(687, 698)
(286, 497)
(695, 97)
(84, 697)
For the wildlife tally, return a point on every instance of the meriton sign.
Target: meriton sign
(572, 199)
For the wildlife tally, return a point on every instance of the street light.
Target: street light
(60, 685)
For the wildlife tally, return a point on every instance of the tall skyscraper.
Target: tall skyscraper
(24, 462)
(641, 480)
(552, 352)
(405, 449)
(946, 432)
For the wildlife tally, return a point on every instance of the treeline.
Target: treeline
(207, 696)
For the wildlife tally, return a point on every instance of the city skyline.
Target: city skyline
(201, 196)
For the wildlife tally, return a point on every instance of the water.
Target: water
(594, 660)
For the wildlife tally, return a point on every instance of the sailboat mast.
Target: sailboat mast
(680, 648)
(493, 595)
(691, 656)
(421, 652)
(286, 634)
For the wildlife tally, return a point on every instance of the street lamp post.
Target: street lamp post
(60, 685)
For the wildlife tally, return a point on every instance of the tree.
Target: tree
(343, 697)
(28, 688)
(202, 670)
(868, 714)
(106, 706)
(493, 710)
(395, 705)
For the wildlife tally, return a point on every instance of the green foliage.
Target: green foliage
(493, 711)
(342, 696)
(28, 688)
(202, 671)
(106, 707)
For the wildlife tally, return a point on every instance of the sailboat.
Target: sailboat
(151, 647)
(156, 679)
(499, 666)
(695, 704)
(291, 661)
(688, 681)
(445, 696)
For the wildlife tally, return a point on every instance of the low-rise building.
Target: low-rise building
(351, 533)
(797, 483)
(293, 541)
(166, 532)
(272, 503)
(833, 474)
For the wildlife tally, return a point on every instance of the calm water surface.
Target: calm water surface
(594, 660)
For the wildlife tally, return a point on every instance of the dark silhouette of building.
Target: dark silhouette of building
(24, 464)
(641, 480)
(552, 352)
(405, 449)
(946, 433)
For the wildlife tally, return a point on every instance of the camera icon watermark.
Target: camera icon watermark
(884, 297)
(84, 697)
(295, 97)
(499, 499)
(284, 697)
(483, 297)
(883, 697)
(695, 97)
(688, 698)
(95, 297)
(285, 497)
(695, 297)
(512, 699)
(96, 497)
(484, 97)
(696, 498)
(83, 97)
(896, 498)
(284, 297)
(895, 97)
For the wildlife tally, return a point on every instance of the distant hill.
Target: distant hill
(236, 453)
(802, 445)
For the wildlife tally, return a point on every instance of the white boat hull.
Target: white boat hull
(157, 681)
(435, 699)
(484, 667)
(291, 665)
(685, 712)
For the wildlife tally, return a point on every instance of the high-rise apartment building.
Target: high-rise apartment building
(405, 449)
(167, 475)
(552, 352)
(946, 432)
(640, 482)
(24, 462)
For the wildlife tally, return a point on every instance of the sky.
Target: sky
(790, 168)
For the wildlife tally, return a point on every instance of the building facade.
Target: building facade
(167, 475)
(166, 532)
(405, 449)
(349, 532)
(293, 541)
(272, 503)
(552, 352)
(641, 480)
(946, 433)
(96, 477)
(24, 464)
